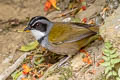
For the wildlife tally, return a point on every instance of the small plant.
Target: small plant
(110, 60)
(66, 73)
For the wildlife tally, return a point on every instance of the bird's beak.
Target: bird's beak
(27, 28)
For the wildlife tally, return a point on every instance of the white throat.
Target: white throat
(37, 34)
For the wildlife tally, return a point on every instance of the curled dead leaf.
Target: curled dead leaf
(26, 69)
(53, 2)
(47, 6)
(30, 46)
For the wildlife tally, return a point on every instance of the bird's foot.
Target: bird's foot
(64, 60)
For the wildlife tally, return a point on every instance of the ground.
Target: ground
(11, 39)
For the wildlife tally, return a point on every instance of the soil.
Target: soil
(11, 39)
(20, 9)
(10, 42)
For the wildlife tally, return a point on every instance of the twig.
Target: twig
(65, 13)
(12, 68)
(9, 21)
(52, 68)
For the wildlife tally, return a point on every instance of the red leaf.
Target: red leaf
(83, 8)
(47, 6)
(24, 79)
(26, 69)
(92, 71)
(99, 62)
(90, 61)
(84, 20)
(85, 59)
(53, 2)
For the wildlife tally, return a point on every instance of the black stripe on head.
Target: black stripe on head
(35, 23)
(36, 18)
(41, 39)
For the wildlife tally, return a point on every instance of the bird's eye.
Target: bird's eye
(40, 26)
(37, 24)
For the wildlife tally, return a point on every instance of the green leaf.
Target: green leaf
(16, 74)
(108, 45)
(117, 78)
(36, 63)
(114, 73)
(106, 58)
(30, 46)
(109, 74)
(76, 20)
(112, 65)
(114, 61)
(38, 56)
(39, 61)
(106, 52)
(113, 51)
(107, 69)
(105, 64)
(119, 72)
(114, 55)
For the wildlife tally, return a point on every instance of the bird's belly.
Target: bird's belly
(64, 49)
(71, 48)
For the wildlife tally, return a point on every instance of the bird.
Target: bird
(64, 38)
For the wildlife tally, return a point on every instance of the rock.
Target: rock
(96, 7)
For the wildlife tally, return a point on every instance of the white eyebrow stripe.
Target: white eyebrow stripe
(42, 21)
(33, 20)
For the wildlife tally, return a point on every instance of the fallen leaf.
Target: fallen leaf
(99, 62)
(49, 65)
(100, 38)
(16, 74)
(53, 2)
(82, 0)
(91, 22)
(85, 59)
(30, 46)
(104, 10)
(26, 69)
(22, 30)
(82, 50)
(75, 20)
(85, 52)
(24, 79)
(89, 61)
(47, 5)
(33, 78)
(92, 71)
(84, 20)
(43, 49)
(83, 8)
(40, 75)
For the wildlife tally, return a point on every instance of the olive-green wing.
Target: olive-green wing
(70, 32)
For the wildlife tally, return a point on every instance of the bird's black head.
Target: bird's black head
(38, 23)
(39, 26)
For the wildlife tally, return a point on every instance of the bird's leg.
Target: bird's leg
(64, 60)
